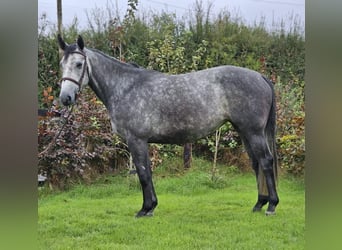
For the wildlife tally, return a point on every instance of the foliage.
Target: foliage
(47, 69)
(163, 42)
(84, 147)
(291, 129)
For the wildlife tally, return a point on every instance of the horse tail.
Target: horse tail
(271, 130)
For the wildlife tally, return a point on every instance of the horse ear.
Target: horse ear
(80, 42)
(61, 42)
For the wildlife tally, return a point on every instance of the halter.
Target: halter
(85, 67)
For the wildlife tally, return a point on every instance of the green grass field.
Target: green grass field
(193, 213)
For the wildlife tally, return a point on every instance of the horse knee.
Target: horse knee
(144, 175)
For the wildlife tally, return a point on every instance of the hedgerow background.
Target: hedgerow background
(167, 43)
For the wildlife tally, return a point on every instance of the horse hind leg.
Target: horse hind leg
(263, 197)
(262, 160)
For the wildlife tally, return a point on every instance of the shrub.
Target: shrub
(85, 146)
(291, 126)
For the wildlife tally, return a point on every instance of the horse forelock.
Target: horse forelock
(69, 49)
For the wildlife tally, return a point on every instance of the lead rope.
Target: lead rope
(53, 142)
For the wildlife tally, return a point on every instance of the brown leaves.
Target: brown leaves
(48, 96)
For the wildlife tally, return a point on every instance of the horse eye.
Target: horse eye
(79, 65)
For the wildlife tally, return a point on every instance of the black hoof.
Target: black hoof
(271, 209)
(268, 213)
(143, 213)
(262, 201)
(256, 209)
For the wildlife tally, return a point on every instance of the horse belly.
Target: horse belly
(188, 125)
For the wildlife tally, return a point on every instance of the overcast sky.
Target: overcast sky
(249, 10)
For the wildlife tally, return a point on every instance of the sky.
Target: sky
(250, 11)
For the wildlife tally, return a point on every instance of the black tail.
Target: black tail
(271, 129)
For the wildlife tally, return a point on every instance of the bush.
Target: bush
(85, 146)
(291, 126)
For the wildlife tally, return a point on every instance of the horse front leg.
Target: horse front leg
(139, 151)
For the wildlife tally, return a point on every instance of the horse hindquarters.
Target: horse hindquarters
(257, 130)
(139, 151)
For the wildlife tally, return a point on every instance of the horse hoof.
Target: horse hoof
(271, 209)
(144, 214)
(258, 206)
(256, 209)
(267, 213)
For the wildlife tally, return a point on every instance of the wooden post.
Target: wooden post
(187, 155)
(59, 16)
(59, 24)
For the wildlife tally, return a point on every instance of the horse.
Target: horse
(147, 106)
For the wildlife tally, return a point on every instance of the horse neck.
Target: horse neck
(108, 77)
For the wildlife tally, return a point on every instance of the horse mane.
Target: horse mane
(135, 65)
(130, 64)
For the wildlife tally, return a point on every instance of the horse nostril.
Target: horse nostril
(66, 100)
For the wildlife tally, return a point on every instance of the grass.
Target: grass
(193, 213)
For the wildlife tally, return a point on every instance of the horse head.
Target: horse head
(75, 74)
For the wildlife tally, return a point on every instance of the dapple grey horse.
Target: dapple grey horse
(147, 106)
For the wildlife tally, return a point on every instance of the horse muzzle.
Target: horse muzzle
(67, 99)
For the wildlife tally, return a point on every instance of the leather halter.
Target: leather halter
(85, 67)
